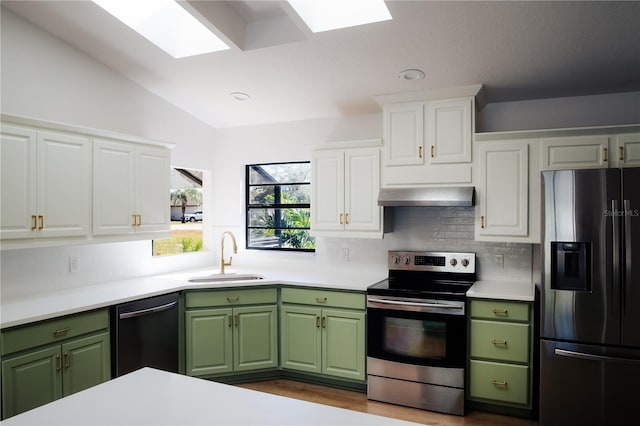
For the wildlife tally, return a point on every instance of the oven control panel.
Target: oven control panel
(432, 261)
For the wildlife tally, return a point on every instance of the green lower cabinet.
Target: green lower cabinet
(324, 341)
(44, 375)
(499, 382)
(225, 340)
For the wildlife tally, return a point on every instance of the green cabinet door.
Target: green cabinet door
(343, 341)
(209, 341)
(31, 380)
(86, 363)
(301, 338)
(255, 338)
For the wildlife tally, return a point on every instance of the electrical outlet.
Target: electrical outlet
(344, 254)
(500, 260)
(73, 263)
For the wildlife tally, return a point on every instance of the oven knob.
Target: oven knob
(407, 260)
(464, 262)
(395, 259)
(453, 262)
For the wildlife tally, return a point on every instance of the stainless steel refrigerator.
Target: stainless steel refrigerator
(590, 307)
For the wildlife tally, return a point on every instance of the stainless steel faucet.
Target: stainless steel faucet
(235, 250)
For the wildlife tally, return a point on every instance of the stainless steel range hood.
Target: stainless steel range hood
(458, 196)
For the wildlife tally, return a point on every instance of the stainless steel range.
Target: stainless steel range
(417, 330)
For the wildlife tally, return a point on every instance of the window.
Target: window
(278, 206)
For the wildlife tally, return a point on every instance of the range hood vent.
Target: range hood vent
(459, 196)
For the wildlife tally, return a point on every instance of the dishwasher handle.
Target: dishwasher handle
(125, 315)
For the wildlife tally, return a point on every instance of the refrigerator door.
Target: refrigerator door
(631, 255)
(588, 385)
(580, 297)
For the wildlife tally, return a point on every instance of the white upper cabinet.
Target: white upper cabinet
(627, 150)
(508, 191)
(449, 131)
(46, 179)
(575, 152)
(130, 188)
(427, 142)
(345, 185)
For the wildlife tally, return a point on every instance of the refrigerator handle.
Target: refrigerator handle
(626, 284)
(593, 357)
(617, 259)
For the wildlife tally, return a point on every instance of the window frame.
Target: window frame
(249, 207)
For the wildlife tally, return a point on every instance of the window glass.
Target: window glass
(278, 199)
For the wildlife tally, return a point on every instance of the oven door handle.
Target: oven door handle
(419, 304)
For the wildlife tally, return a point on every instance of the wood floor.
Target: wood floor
(358, 401)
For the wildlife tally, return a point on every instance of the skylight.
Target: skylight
(166, 24)
(325, 15)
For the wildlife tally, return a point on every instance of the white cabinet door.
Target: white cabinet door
(153, 189)
(327, 185)
(113, 187)
(628, 150)
(362, 183)
(131, 188)
(503, 188)
(18, 182)
(64, 184)
(403, 128)
(575, 152)
(449, 131)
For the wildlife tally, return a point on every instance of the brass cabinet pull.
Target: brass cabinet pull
(67, 360)
(433, 149)
(230, 321)
(482, 222)
(321, 299)
(139, 220)
(605, 154)
(324, 322)
(233, 298)
(41, 220)
(499, 342)
(61, 331)
(317, 322)
(34, 224)
(346, 218)
(621, 152)
(58, 363)
(235, 317)
(420, 152)
(500, 311)
(499, 383)
(341, 222)
(133, 217)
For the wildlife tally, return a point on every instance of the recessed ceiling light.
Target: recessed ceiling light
(325, 15)
(240, 96)
(166, 24)
(411, 75)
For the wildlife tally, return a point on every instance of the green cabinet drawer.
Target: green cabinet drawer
(231, 297)
(54, 330)
(322, 297)
(500, 310)
(497, 340)
(499, 382)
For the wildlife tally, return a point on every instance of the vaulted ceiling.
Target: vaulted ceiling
(517, 49)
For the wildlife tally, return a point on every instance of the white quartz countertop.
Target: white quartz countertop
(153, 397)
(53, 304)
(505, 290)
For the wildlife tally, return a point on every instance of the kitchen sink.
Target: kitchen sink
(216, 278)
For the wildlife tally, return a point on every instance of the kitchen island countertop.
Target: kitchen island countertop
(153, 397)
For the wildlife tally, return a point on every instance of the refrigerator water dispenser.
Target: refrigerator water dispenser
(571, 266)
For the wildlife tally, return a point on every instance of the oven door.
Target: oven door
(417, 331)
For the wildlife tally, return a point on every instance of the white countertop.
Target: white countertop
(58, 303)
(153, 397)
(505, 290)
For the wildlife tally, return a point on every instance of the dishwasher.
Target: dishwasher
(144, 333)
